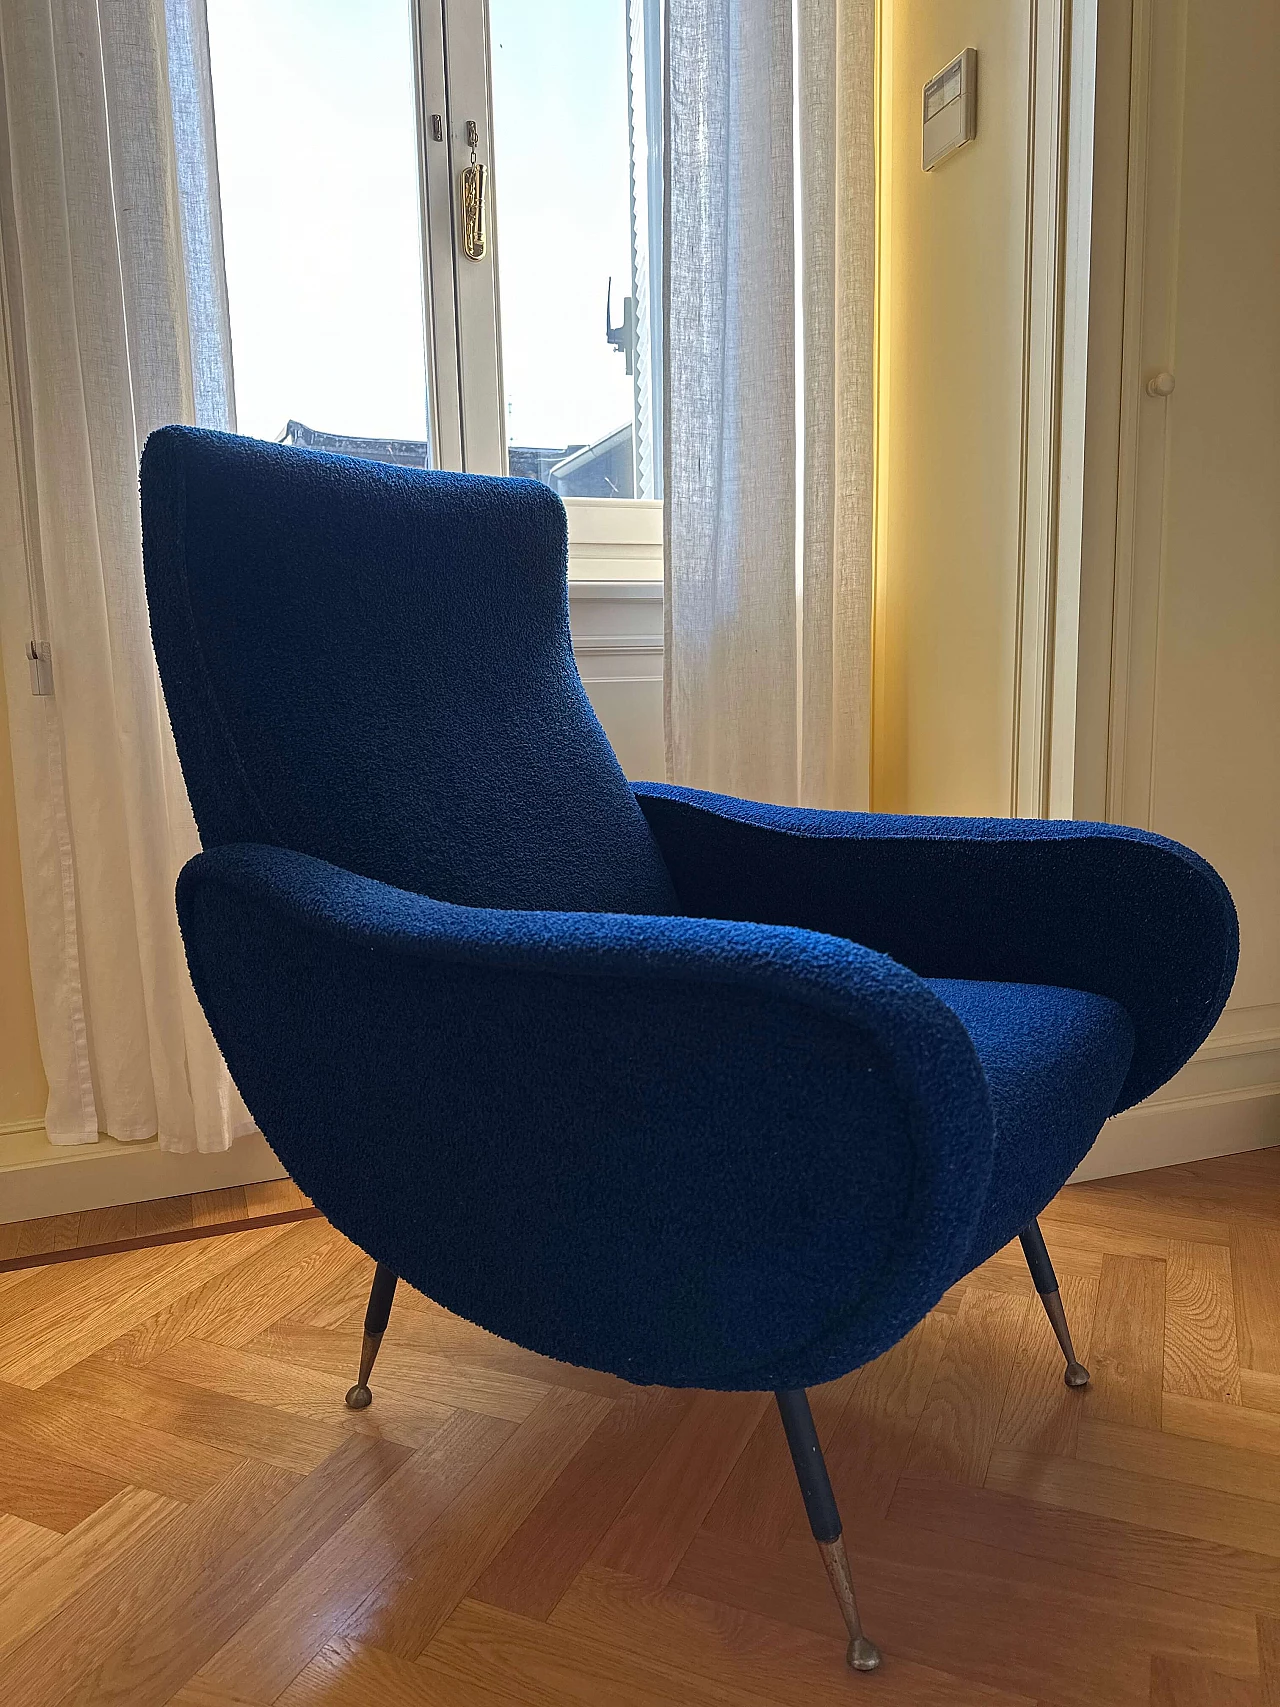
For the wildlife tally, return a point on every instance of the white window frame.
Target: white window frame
(435, 199)
(463, 313)
(610, 538)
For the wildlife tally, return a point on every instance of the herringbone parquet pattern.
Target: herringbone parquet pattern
(188, 1514)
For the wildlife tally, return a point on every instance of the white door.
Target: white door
(1195, 705)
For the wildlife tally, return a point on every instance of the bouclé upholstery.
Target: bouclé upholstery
(693, 1090)
(348, 673)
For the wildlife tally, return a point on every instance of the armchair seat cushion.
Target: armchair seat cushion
(1054, 1061)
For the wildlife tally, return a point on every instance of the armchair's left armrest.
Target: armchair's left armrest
(687, 1151)
(1099, 907)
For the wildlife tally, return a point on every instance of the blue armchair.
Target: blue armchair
(688, 1089)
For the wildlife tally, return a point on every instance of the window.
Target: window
(359, 321)
(318, 165)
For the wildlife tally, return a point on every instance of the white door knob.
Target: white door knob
(1160, 384)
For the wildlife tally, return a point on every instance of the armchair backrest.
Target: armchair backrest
(372, 664)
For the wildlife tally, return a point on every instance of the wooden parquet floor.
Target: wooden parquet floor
(188, 1514)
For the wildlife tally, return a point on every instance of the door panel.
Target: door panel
(1197, 689)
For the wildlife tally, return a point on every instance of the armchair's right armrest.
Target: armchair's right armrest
(1099, 907)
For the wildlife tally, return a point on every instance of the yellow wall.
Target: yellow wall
(22, 1084)
(952, 245)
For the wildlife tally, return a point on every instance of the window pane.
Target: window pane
(569, 172)
(317, 155)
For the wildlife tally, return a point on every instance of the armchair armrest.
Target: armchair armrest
(692, 1151)
(1098, 907)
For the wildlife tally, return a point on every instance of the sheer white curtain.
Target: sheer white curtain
(115, 323)
(770, 277)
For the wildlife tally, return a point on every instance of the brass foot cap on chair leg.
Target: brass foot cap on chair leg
(358, 1398)
(863, 1654)
(1077, 1375)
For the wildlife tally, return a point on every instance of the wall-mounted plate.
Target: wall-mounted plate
(950, 115)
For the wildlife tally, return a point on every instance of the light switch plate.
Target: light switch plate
(950, 109)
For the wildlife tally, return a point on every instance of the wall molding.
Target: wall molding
(1050, 93)
(582, 590)
(1226, 1099)
(11, 1128)
(1161, 1134)
(620, 643)
(38, 1178)
(1243, 1031)
(1059, 406)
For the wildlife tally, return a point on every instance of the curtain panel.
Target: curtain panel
(769, 311)
(116, 322)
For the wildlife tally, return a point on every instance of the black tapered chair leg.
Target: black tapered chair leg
(1046, 1284)
(376, 1317)
(824, 1517)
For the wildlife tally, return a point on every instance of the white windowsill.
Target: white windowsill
(614, 539)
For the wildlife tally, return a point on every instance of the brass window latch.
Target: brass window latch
(40, 660)
(475, 231)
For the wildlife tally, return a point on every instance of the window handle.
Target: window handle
(475, 231)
